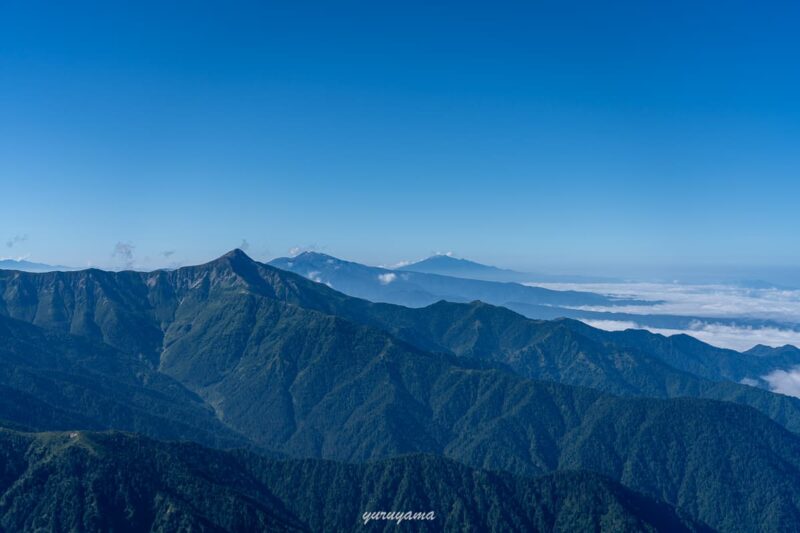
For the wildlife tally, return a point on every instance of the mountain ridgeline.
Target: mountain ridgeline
(464, 281)
(131, 483)
(418, 289)
(235, 353)
(447, 265)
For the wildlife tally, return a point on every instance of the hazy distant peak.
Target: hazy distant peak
(449, 261)
(448, 265)
(314, 256)
(29, 266)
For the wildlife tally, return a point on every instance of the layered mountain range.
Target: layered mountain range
(459, 280)
(337, 406)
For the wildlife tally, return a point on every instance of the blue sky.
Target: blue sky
(551, 135)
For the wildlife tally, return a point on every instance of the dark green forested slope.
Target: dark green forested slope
(80, 482)
(117, 482)
(49, 380)
(709, 458)
(331, 388)
(631, 363)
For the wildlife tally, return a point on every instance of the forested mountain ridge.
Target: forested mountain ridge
(130, 483)
(299, 368)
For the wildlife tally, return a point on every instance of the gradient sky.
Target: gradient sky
(556, 134)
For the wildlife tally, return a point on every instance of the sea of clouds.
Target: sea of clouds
(704, 301)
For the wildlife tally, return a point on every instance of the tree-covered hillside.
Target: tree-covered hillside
(94, 482)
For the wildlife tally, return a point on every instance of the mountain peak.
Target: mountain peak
(236, 253)
(447, 265)
(314, 255)
(235, 260)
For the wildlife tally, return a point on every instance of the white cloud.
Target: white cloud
(125, 252)
(704, 301)
(294, 251)
(317, 278)
(612, 325)
(16, 239)
(724, 336)
(387, 278)
(784, 382)
(720, 301)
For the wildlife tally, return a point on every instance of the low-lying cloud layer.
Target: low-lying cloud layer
(709, 301)
(784, 382)
(724, 336)
(721, 301)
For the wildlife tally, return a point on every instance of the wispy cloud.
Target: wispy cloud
(784, 382)
(16, 239)
(167, 253)
(125, 252)
(387, 278)
(317, 277)
(294, 251)
(244, 245)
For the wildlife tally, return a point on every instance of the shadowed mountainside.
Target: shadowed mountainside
(130, 483)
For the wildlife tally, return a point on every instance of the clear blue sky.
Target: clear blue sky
(531, 134)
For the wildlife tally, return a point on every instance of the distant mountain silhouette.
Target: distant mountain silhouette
(28, 266)
(417, 289)
(447, 265)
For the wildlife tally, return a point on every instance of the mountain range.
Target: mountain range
(447, 265)
(418, 289)
(438, 279)
(506, 410)
(29, 266)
